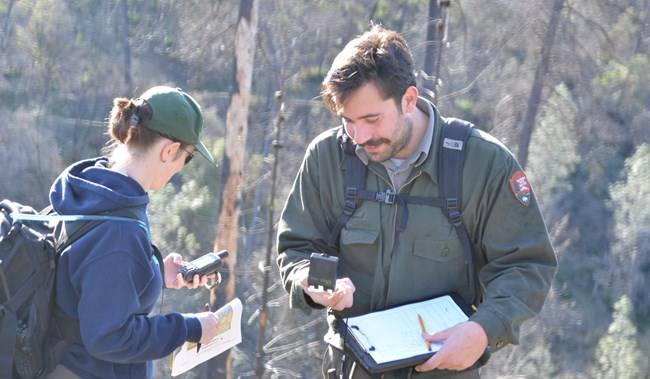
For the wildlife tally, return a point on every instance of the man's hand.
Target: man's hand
(464, 344)
(339, 299)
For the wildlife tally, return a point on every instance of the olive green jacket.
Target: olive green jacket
(511, 245)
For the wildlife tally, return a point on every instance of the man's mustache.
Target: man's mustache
(375, 142)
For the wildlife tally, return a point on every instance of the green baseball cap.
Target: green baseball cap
(176, 114)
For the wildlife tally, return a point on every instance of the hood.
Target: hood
(89, 187)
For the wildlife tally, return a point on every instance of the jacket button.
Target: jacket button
(445, 252)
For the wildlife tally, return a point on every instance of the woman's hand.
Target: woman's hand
(173, 279)
(209, 326)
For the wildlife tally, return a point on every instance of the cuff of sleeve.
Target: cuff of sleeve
(496, 331)
(193, 329)
(299, 299)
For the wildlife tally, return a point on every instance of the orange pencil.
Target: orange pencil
(424, 331)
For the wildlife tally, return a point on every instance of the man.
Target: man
(371, 86)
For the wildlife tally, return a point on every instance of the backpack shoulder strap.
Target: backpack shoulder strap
(69, 231)
(450, 167)
(453, 141)
(354, 181)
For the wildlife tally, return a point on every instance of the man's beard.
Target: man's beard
(399, 140)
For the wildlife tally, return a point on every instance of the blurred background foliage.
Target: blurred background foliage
(62, 62)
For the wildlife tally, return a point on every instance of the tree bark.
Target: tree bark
(538, 84)
(234, 159)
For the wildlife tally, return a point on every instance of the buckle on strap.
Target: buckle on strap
(349, 207)
(455, 218)
(387, 197)
(452, 203)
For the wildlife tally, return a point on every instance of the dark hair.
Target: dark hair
(127, 125)
(378, 55)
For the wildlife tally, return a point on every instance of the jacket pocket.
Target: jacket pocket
(438, 249)
(358, 236)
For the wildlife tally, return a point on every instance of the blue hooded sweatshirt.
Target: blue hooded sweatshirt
(110, 281)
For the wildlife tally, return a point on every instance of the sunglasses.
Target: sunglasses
(190, 156)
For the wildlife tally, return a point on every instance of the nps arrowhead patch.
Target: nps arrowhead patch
(520, 187)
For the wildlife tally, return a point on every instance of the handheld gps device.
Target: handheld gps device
(204, 265)
(322, 272)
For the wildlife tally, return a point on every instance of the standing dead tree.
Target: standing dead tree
(261, 336)
(233, 163)
(538, 83)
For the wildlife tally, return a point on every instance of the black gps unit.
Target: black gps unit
(322, 272)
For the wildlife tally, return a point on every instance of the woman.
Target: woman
(109, 280)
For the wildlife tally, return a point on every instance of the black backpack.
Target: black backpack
(455, 134)
(32, 338)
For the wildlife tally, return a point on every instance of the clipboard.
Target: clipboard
(357, 342)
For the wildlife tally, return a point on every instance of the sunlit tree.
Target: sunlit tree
(630, 252)
(617, 354)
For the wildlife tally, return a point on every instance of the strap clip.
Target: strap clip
(387, 197)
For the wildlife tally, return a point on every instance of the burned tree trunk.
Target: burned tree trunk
(233, 165)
